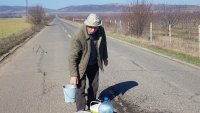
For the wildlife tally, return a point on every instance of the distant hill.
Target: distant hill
(11, 8)
(121, 8)
(98, 8)
(94, 8)
(17, 9)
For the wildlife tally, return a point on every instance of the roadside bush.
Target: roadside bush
(36, 16)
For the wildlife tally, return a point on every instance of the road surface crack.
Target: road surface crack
(42, 52)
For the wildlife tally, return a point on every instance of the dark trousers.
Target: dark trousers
(92, 73)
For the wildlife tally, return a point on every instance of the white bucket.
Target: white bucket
(69, 93)
(94, 108)
(83, 112)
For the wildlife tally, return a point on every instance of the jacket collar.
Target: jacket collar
(87, 37)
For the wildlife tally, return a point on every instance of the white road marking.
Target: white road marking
(69, 36)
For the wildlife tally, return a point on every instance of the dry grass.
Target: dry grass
(12, 26)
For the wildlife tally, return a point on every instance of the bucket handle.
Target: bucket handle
(95, 102)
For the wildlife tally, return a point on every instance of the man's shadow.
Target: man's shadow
(117, 89)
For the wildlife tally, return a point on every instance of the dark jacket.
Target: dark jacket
(80, 51)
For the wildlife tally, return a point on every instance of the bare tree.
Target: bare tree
(170, 16)
(138, 15)
(186, 22)
(196, 20)
(36, 15)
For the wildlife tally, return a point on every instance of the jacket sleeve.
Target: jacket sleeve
(73, 59)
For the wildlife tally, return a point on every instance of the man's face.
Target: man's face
(91, 29)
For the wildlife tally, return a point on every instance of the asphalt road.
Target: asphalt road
(137, 81)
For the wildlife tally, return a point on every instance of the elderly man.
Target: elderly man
(88, 53)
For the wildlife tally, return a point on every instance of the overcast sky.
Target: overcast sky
(56, 4)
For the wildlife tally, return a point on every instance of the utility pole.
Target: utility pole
(199, 40)
(26, 8)
(151, 34)
(170, 33)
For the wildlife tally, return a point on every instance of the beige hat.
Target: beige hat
(93, 20)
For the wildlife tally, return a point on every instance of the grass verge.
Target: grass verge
(11, 41)
(171, 53)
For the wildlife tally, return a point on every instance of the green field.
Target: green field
(11, 26)
(13, 32)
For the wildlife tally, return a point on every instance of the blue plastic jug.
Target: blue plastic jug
(105, 106)
(69, 93)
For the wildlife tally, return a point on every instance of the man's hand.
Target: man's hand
(74, 80)
(105, 62)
